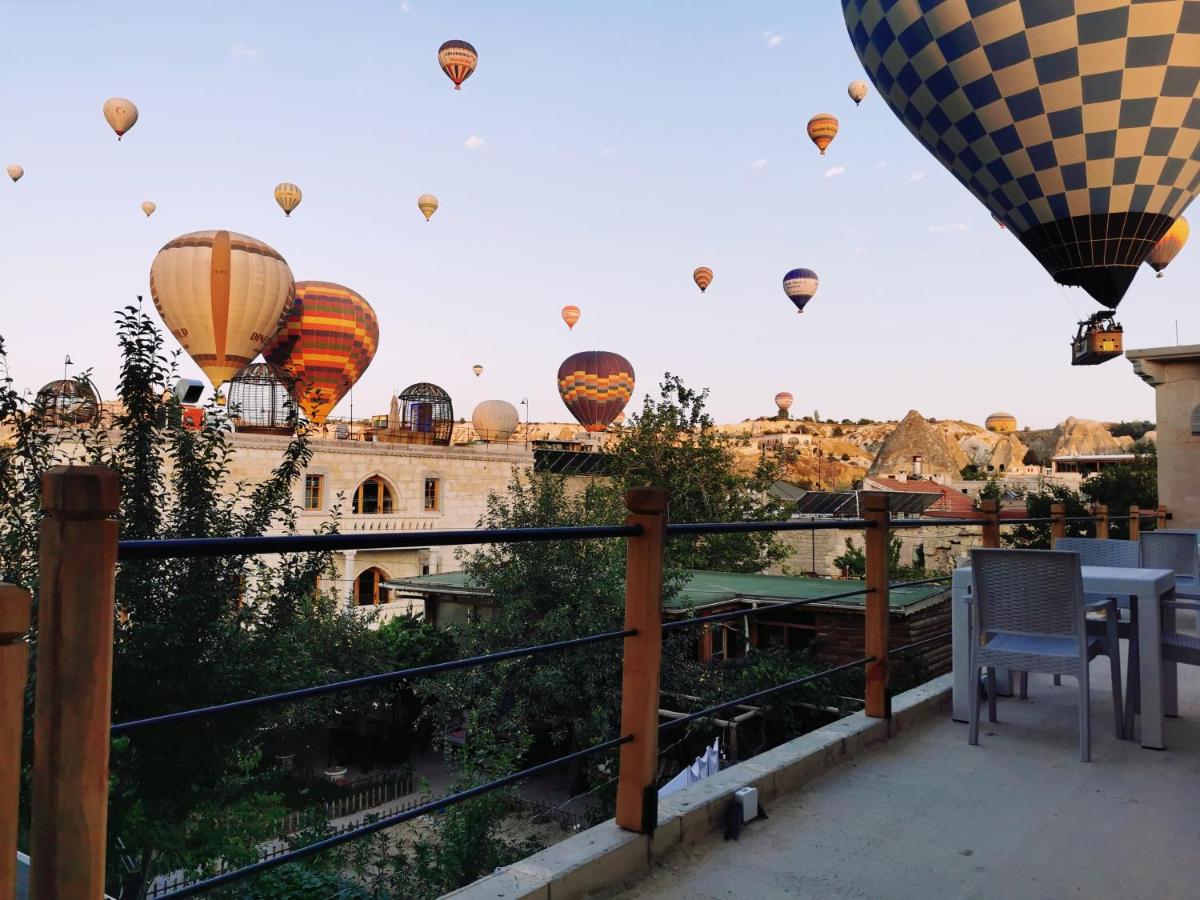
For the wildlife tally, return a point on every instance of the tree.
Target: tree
(991, 490)
(972, 472)
(189, 632)
(1122, 486)
(1037, 506)
(672, 443)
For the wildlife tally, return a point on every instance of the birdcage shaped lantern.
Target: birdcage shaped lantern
(426, 417)
(261, 400)
(69, 403)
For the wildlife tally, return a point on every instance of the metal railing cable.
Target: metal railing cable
(389, 821)
(944, 636)
(680, 528)
(366, 680)
(709, 711)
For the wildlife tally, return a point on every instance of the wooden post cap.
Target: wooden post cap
(81, 492)
(646, 501)
(875, 501)
(989, 506)
(15, 606)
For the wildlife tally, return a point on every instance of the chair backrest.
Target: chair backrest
(1095, 552)
(1166, 550)
(1028, 592)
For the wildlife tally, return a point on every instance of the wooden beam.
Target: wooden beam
(1058, 524)
(77, 564)
(876, 619)
(1100, 511)
(1161, 519)
(15, 606)
(1135, 523)
(636, 798)
(991, 523)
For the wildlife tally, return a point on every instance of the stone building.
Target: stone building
(386, 487)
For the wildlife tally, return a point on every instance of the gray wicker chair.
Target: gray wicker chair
(1173, 550)
(1030, 617)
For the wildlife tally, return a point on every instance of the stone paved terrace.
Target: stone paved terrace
(927, 816)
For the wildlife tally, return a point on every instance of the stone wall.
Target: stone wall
(815, 551)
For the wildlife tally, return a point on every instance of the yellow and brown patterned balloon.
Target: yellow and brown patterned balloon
(822, 129)
(288, 196)
(223, 295)
(595, 385)
(458, 60)
(427, 204)
(703, 277)
(120, 114)
(326, 344)
(1169, 245)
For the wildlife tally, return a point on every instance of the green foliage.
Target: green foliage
(1122, 486)
(1136, 429)
(972, 472)
(1038, 507)
(991, 490)
(673, 444)
(853, 562)
(1032, 458)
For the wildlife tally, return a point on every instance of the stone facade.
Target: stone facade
(814, 551)
(465, 475)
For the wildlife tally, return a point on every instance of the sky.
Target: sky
(598, 155)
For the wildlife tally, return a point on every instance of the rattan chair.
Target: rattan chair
(1173, 550)
(1030, 617)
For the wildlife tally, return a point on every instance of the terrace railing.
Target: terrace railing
(79, 555)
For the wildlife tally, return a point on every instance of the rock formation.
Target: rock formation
(914, 436)
(1083, 437)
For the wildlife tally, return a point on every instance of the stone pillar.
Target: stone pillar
(347, 583)
(1174, 373)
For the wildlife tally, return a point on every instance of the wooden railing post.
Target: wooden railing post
(1135, 522)
(1100, 510)
(15, 607)
(77, 563)
(1161, 519)
(991, 522)
(637, 798)
(877, 539)
(1058, 523)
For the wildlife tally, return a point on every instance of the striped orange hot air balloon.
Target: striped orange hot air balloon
(822, 128)
(325, 345)
(223, 295)
(1169, 245)
(570, 315)
(595, 385)
(458, 60)
(703, 278)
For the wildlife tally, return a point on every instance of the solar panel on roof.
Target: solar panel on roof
(845, 504)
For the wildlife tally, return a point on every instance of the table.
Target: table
(1144, 587)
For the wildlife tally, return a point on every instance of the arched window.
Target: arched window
(367, 591)
(373, 497)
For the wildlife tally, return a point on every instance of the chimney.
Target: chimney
(916, 465)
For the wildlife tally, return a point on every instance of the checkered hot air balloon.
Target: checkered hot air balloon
(1077, 123)
(325, 344)
(595, 385)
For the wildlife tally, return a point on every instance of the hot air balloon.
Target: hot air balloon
(326, 344)
(15, 172)
(427, 204)
(857, 91)
(595, 385)
(121, 114)
(703, 277)
(783, 400)
(1169, 245)
(822, 128)
(223, 295)
(288, 196)
(800, 285)
(495, 420)
(477, 369)
(458, 60)
(620, 419)
(1072, 126)
(570, 315)
(148, 208)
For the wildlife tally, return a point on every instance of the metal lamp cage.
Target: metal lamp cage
(426, 415)
(69, 403)
(261, 400)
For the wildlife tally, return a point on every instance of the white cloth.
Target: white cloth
(704, 766)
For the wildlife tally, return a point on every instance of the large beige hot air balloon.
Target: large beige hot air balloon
(427, 204)
(495, 420)
(288, 196)
(223, 295)
(121, 114)
(1169, 245)
(15, 172)
(148, 208)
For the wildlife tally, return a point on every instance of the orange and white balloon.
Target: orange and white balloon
(148, 208)
(288, 196)
(1169, 245)
(703, 277)
(570, 315)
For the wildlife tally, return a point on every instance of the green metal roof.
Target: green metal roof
(704, 588)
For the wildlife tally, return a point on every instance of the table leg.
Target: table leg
(1150, 669)
(1169, 675)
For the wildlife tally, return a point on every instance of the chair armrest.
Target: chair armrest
(1182, 604)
